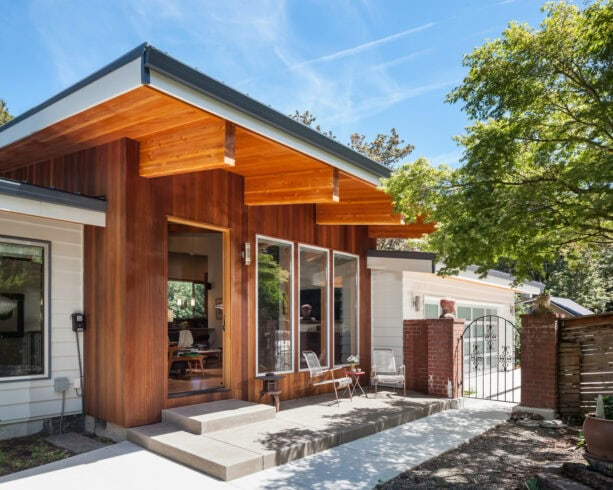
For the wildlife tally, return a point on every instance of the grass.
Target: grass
(22, 453)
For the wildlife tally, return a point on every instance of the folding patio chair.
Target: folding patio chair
(384, 370)
(316, 371)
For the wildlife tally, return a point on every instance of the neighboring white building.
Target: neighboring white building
(41, 231)
(405, 286)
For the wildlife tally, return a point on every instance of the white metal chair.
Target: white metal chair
(384, 370)
(316, 371)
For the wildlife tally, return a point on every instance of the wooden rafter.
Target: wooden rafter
(203, 145)
(302, 187)
(413, 230)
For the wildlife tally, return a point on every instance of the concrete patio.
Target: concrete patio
(357, 464)
(233, 438)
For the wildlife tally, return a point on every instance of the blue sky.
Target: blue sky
(359, 65)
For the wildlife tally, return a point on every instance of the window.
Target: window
(187, 299)
(274, 306)
(346, 307)
(24, 310)
(314, 280)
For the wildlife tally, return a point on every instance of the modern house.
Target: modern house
(162, 205)
(404, 285)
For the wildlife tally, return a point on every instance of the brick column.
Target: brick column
(432, 355)
(539, 367)
(415, 348)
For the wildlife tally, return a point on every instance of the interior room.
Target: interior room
(195, 310)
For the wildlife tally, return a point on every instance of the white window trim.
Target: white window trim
(327, 251)
(291, 306)
(357, 302)
(46, 245)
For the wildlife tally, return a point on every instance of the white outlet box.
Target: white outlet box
(77, 383)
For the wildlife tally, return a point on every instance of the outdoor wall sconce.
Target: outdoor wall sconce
(416, 302)
(247, 253)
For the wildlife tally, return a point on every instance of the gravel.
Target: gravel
(504, 457)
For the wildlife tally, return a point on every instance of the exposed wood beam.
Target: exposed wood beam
(358, 213)
(203, 145)
(414, 230)
(309, 186)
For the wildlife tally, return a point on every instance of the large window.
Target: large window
(274, 306)
(23, 307)
(345, 307)
(313, 303)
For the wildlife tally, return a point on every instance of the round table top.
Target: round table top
(355, 373)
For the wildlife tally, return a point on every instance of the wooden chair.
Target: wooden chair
(193, 362)
(384, 370)
(318, 374)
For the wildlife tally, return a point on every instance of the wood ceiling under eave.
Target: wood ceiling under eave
(176, 138)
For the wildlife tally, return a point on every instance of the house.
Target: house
(166, 208)
(404, 286)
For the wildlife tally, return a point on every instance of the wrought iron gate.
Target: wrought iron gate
(490, 354)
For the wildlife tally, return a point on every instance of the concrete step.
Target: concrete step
(215, 416)
(200, 452)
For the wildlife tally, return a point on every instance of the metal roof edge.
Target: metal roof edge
(401, 254)
(122, 60)
(182, 73)
(14, 188)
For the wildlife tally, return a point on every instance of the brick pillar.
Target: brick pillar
(539, 366)
(415, 348)
(432, 355)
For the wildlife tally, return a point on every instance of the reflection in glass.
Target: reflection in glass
(345, 307)
(313, 304)
(274, 306)
(22, 308)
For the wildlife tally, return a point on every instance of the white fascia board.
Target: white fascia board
(398, 264)
(187, 94)
(125, 78)
(48, 210)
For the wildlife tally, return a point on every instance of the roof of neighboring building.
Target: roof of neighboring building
(9, 187)
(570, 306)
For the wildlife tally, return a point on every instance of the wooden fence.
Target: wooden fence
(585, 362)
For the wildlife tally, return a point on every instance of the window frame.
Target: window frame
(292, 315)
(328, 288)
(357, 302)
(46, 348)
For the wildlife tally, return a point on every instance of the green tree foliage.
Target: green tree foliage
(587, 279)
(538, 157)
(5, 115)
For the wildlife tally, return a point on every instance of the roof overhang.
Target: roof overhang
(32, 200)
(186, 121)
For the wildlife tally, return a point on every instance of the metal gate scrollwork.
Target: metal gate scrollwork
(489, 348)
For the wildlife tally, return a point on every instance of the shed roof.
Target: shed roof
(185, 121)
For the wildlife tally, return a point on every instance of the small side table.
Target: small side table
(270, 386)
(355, 381)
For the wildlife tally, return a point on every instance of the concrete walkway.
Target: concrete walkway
(355, 465)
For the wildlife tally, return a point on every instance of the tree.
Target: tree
(538, 157)
(386, 149)
(5, 115)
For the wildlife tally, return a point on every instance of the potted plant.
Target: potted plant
(353, 360)
(598, 431)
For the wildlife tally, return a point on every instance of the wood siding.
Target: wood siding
(126, 272)
(585, 362)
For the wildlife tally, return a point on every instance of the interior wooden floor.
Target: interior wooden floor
(211, 379)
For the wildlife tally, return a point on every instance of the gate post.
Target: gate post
(539, 364)
(433, 356)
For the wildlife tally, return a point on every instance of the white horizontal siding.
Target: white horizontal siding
(387, 308)
(34, 399)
